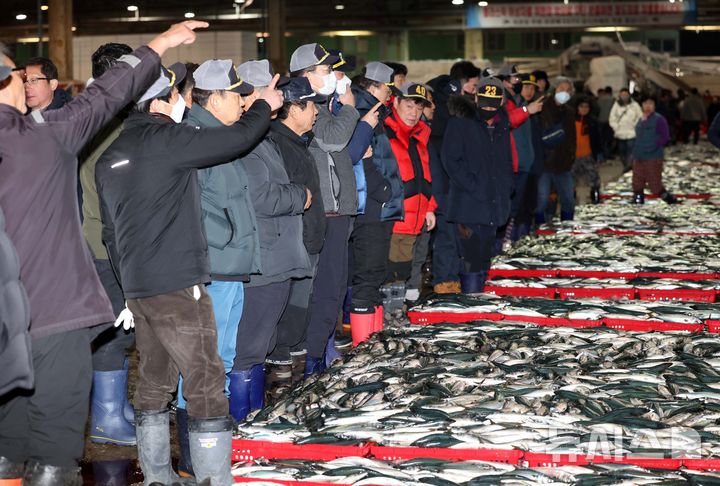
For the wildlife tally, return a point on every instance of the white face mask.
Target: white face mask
(562, 97)
(329, 84)
(178, 110)
(343, 85)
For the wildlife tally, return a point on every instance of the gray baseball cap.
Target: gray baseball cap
(379, 72)
(309, 55)
(258, 73)
(169, 77)
(220, 75)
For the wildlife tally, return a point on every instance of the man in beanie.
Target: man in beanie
(477, 154)
(152, 226)
(42, 431)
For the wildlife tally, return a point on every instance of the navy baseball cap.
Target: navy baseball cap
(299, 89)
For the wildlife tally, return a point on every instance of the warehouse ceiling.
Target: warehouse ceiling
(112, 16)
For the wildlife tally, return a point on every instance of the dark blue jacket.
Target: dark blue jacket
(227, 212)
(714, 131)
(538, 148)
(651, 137)
(478, 160)
(359, 143)
(384, 185)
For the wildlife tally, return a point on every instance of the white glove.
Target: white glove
(126, 319)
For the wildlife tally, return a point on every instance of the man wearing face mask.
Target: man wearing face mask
(477, 154)
(624, 116)
(558, 125)
(152, 227)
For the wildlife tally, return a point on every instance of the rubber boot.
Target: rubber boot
(668, 197)
(473, 283)
(128, 409)
(45, 475)
(343, 343)
(331, 352)
(639, 198)
(379, 323)
(314, 366)
(184, 466)
(110, 473)
(11, 473)
(257, 387)
(567, 215)
(595, 195)
(109, 395)
(540, 218)
(278, 380)
(210, 448)
(523, 229)
(239, 394)
(362, 324)
(153, 446)
(298, 367)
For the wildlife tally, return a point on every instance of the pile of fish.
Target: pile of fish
(512, 386)
(582, 309)
(699, 217)
(687, 170)
(639, 282)
(670, 253)
(436, 472)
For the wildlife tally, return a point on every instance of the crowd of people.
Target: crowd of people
(219, 217)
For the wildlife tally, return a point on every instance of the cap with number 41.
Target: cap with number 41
(490, 92)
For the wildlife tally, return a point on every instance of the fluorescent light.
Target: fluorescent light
(44, 7)
(701, 27)
(339, 6)
(238, 1)
(20, 17)
(348, 33)
(132, 8)
(566, 2)
(458, 2)
(482, 4)
(611, 29)
(189, 15)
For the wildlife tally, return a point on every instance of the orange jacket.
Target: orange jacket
(410, 147)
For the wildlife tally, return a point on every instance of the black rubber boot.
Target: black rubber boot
(298, 367)
(45, 475)
(278, 380)
(11, 470)
(184, 466)
(595, 195)
(639, 198)
(668, 197)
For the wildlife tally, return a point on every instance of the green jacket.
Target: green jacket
(228, 214)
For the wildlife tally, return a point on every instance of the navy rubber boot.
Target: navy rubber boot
(346, 306)
(567, 215)
(239, 394)
(314, 366)
(473, 283)
(109, 395)
(128, 409)
(257, 387)
(184, 466)
(540, 218)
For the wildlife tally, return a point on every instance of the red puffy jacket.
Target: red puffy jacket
(410, 147)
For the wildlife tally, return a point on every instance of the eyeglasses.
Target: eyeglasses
(34, 81)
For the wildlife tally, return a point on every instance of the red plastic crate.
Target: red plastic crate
(579, 273)
(702, 464)
(547, 292)
(646, 326)
(522, 272)
(679, 275)
(249, 450)
(425, 318)
(384, 453)
(692, 295)
(652, 462)
(597, 292)
(545, 232)
(536, 459)
(712, 326)
(283, 482)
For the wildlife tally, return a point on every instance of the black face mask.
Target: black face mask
(486, 114)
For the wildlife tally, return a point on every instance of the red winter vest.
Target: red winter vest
(410, 147)
(517, 116)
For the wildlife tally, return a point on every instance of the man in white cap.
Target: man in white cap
(44, 428)
(152, 227)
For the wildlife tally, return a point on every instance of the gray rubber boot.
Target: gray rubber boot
(10, 469)
(152, 428)
(45, 475)
(210, 448)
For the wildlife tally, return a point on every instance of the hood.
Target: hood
(461, 107)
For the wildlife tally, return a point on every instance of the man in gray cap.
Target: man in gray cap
(229, 221)
(152, 227)
(44, 429)
(331, 134)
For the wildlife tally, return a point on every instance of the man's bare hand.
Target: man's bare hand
(536, 106)
(373, 116)
(177, 34)
(272, 96)
(308, 201)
